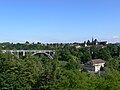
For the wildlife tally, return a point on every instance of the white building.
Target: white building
(78, 46)
(95, 65)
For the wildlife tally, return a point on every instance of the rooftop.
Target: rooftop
(96, 61)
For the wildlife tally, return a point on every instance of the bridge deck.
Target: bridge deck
(28, 51)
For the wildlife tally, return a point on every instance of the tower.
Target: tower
(92, 41)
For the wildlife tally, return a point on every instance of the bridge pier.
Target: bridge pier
(17, 54)
(23, 53)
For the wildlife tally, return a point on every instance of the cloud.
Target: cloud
(116, 37)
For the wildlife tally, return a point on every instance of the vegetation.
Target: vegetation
(64, 72)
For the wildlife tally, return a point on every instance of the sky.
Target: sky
(59, 20)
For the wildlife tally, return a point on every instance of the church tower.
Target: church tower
(92, 41)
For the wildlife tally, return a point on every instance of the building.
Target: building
(78, 46)
(100, 44)
(94, 65)
(103, 43)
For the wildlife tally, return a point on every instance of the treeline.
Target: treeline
(64, 72)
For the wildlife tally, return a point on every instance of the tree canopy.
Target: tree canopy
(64, 72)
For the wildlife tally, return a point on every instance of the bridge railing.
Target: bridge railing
(28, 50)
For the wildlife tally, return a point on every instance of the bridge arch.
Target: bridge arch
(47, 54)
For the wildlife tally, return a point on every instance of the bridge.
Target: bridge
(49, 53)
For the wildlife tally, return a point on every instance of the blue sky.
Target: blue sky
(59, 20)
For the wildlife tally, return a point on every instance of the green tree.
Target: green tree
(104, 54)
(94, 52)
(85, 55)
(17, 73)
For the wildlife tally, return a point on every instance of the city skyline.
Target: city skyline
(59, 21)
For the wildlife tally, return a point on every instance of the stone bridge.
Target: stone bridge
(49, 53)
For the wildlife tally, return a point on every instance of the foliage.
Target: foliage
(61, 73)
(18, 74)
(104, 54)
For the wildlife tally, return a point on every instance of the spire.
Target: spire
(92, 39)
